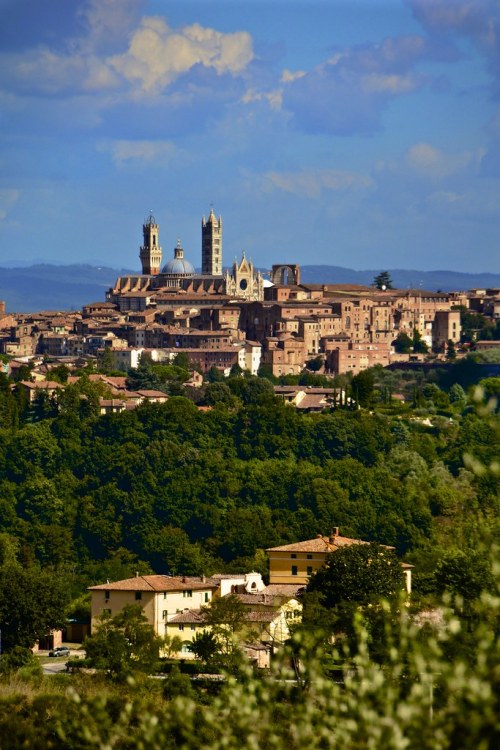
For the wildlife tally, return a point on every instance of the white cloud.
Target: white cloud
(311, 183)
(274, 98)
(428, 161)
(151, 152)
(157, 55)
(288, 75)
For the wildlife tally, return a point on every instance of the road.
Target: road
(57, 664)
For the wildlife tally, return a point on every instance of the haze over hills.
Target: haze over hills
(58, 287)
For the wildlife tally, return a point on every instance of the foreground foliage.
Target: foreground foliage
(420, 699)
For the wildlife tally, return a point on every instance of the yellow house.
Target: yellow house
(165, 599)
(268, 616)
(296, 563)
(160, 596)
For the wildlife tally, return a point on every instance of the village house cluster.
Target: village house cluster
(221, 318)
(176, 605)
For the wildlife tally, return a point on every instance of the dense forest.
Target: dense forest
(172, 488)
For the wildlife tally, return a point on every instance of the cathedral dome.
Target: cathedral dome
(178, 265)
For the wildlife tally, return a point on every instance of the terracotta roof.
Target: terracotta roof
(282, 589)
(320, 544)
(45, 385)
(189, 616)
(156, 583)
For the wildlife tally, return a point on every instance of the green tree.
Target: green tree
(315, 364)
(464, 573)
(124, 644)
(451, 352)
(402, 343)
(225, 618)
(362, 387)
(32, 602)
(383, 280)
(359, 573)
(418, 344)
(457, 394)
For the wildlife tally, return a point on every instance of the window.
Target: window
(206, 597)
(294, 556)
(165, 614)
(309, 570)
(181, 627)
(193, 627)
(138, 596)
(294, 570)
(187, 594)
(309, 557)
(106, 595)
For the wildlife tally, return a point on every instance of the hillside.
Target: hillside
(45, 286)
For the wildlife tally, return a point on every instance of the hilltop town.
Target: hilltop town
(223, 318)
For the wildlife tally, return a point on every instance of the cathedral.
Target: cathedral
(178, 275)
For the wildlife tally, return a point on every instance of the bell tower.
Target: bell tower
(211, 245)
(150, 252)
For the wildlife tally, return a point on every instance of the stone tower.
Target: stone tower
(211, 245)
(150, 253)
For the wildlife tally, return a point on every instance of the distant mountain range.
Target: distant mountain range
(50, 287)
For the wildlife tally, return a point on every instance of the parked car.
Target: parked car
(60, 651)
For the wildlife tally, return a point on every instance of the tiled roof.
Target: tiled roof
(156, 583)
(320, 544)
(42, 385)
(189, 616)
(282, 589)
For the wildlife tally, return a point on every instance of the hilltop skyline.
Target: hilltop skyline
(359, 134)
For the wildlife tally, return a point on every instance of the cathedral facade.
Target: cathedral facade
(178, 275)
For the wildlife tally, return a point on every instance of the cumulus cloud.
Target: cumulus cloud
(153, 152)
(311, 183)
(157, 55)
(8, 197)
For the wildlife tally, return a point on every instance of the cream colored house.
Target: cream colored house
(173, 606)
(161, 597)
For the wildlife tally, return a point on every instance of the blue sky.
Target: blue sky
(344, 132)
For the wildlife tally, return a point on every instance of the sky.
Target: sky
(358, 133)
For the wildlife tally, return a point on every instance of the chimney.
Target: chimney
(333, 535)
(137, 574)
(203, 578)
